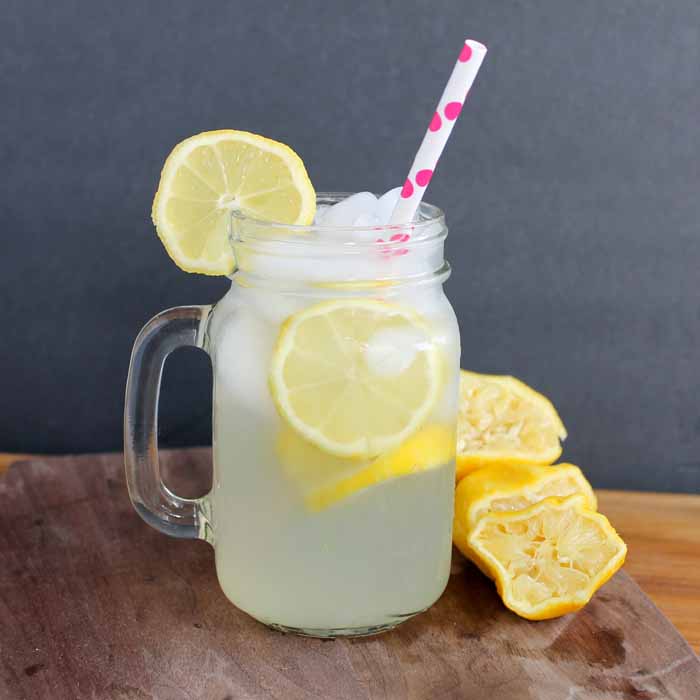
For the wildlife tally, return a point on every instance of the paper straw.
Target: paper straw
(439, 130)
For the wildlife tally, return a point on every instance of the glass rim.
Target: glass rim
(429, 226)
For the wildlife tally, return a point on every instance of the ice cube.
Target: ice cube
(272, 306)
(390, 352)
(369, 233)
(366, 219)
(345, 213)
(321, 211)
(241, 363)
(386, 204)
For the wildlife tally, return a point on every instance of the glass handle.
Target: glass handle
(153, 501)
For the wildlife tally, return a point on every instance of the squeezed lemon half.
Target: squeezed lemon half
(548, 559)
(508, 487)
(504, 421)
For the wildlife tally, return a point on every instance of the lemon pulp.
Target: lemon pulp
(549, 559)
(503, 421)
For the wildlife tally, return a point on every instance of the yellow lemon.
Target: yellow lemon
(355, 377)
(503, 421)
(208, 175)
(508, 488)
(324, 479)
(548, 559)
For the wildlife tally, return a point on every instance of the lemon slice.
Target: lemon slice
(503, 421)
(324, 480)
(208, 175)
(507, 488)
(549, 559)
(355, 377)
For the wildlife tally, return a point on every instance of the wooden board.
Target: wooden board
(95, 604)
(662, 531)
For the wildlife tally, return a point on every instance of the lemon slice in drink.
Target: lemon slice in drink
(503, 421)
(208, 175)
(549, 559)
(324, 480)
(355, 377)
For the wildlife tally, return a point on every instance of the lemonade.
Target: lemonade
(335, 358)
(336, 434)
(311, 538)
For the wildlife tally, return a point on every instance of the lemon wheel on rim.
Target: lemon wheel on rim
(207, 175)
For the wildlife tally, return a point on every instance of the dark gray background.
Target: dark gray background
(571, 186)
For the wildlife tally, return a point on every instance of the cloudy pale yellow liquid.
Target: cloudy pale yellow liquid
(378, 556)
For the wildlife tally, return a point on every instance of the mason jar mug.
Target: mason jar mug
(335, 358)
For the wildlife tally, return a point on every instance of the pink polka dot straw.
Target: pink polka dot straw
(439, 130)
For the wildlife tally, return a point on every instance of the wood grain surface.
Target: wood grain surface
(662, 531)
(663, 534)
(95, 604)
